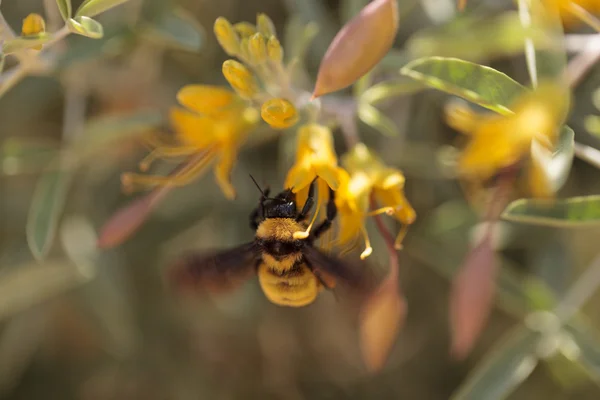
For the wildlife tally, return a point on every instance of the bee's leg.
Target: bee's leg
(257, 214)
(331, 214)
(310, 201)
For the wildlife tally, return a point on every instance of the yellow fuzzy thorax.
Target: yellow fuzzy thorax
(281, 229)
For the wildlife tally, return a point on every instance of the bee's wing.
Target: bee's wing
(215, 271)
(356, 277)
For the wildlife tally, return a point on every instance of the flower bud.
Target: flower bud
(279, 113)
(33, 24)
(265, 25)
(257, 48)
(244, 29)
(358, 47)
(227, 36)
(240, 78)
(274, 50)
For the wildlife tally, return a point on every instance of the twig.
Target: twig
(389, 242)
(53, 17)
(588, 154)
(580, 291)
(578, 67)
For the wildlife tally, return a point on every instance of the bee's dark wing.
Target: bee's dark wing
(215, 271)
(352, 275)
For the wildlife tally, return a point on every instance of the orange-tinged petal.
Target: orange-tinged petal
(358, 46)
(192, 129)
(223, 171)
(205, 99)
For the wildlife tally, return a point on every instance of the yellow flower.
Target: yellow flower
(369, 176)
(574, 12)
(33, 24)
(279, 113)
(500, 141)
(315, 158)
(212, 124)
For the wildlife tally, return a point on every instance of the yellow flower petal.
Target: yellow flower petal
(330, 174)
(396, 199)
(192, 129)
(390, 178)
(205, 99)
(299, 177)
(223, 171)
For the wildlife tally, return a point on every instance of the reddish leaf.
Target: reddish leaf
(129, 218)
(472, 296)
(358, 46)
(382, 317)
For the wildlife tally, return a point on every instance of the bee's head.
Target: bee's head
(281, 206)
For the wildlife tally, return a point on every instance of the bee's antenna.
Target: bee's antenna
(257, 185)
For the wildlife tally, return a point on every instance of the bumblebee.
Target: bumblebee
(291, 272)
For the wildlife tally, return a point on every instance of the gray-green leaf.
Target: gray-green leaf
(477, 83)
(504, 369)
(85, 26)
(373, 117)
(90, 8)
(46, 207)
(177, 29)
(562, 213)
(64, 6)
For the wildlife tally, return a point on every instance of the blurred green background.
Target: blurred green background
(107, 327)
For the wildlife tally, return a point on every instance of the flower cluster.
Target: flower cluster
(211, 123)
(497, 142)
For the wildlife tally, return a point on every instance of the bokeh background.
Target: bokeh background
(103, 324)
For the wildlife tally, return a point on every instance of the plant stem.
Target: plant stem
(588, 154)
(580, 292)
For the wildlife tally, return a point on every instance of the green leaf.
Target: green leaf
(50, 194)
(563, 213)
(25, 42)
(85, 26)
(385, 90)
(476, 38)
(373, 117)
(65, 8)
(556, 165)
(504, 369)
(90, 8)
(477, 83)
(177, 28)
(46, 207)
